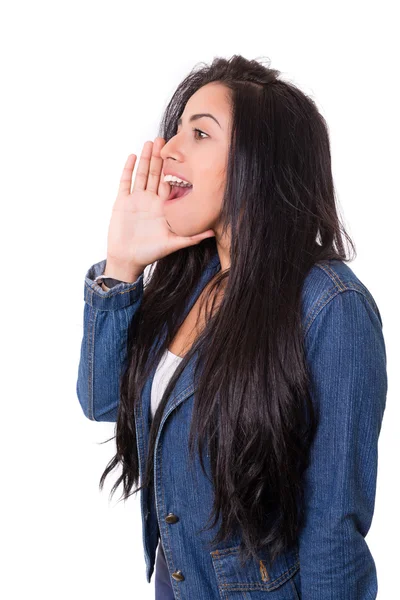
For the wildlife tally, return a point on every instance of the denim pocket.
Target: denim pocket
(254, 575)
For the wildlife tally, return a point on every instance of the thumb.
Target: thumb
(163, 191)
(202, 236)
(192, 240)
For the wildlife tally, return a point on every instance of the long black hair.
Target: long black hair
(252, 405)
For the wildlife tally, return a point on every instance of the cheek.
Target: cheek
(212, 175)
(207, 199)
(211, 190)
(194, 216)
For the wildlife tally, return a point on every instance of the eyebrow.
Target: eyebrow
(199, 116)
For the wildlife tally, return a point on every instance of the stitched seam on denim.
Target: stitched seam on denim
(241, 587)
(93, 290)
(174, 583)
(226, 551)
(218, 570)
(325, 298)
(218, 554)
(260, 586)
(173, 406)
(327, 271)
(140, 440)
(316, 308)
(166, 415)
(349, 285)
(224, 579)
(371, 302)
(90, 350)
(88, 294)
(332, 275)
(138, 406)
(123, 351)
(182, 394)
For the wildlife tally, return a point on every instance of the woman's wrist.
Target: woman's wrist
(122, 272)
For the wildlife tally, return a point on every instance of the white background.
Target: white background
(84, 84)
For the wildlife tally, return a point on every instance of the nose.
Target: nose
(170, 150)
(164, 151)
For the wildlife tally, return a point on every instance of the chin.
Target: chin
(178, 227)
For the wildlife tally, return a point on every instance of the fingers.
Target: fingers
(140, 182)
(155, 167)
(150, 165)
(164, 189)
(148, 174)
(126, 177)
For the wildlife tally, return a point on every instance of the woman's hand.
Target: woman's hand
(138, 233)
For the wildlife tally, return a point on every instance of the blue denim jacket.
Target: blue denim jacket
(346, 352)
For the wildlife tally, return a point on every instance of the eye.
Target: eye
(199, 131)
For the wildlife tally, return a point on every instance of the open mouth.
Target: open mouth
(178, 192)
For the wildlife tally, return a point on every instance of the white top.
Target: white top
(163, 374)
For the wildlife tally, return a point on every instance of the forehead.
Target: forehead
(212, 97)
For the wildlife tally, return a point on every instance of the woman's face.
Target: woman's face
(199, 157)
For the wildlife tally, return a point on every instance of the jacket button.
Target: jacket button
(177, 575)
(171, 518)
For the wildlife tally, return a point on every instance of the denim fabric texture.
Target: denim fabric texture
(345, 350)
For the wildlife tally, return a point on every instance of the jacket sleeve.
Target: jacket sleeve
(346, 356)
(103, 353)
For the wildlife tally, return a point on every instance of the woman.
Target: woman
(251, 337)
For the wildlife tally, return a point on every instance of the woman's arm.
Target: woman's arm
(346, 355)
(106, 318)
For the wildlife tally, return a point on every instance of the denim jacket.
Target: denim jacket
(345, 350)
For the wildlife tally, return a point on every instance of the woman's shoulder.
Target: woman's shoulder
(326, 280)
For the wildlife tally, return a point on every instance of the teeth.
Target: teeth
(172, 180)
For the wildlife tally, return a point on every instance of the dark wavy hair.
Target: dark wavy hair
(279, 203)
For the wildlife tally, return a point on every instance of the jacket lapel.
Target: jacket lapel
(184, 387)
